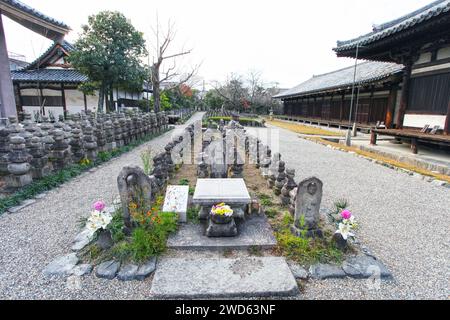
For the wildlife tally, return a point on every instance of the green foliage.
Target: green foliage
(147, 241)
(56, 179)
(303, 249)
(192, 214)
(271, 213)
(183, 182)
(116, 226)
(146, 157)
(242, 121)
(191, 191)
(255, 251)
(265, 200)
(341, 204)
(109, 51)
(213, 100)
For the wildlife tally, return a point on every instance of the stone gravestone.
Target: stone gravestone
(307, 208)
(177, 201)
(134, 186)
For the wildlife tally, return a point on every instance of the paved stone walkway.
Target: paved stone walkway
(403, 220)
(33, 237)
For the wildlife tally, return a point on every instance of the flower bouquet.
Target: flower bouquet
(345, 229)
(99, 218)
(221, 213)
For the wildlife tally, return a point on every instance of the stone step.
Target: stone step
(182, 278)
(254, 232)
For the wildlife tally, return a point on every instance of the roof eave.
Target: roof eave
(41, 26)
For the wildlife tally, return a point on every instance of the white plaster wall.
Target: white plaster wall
(424, 58)
(51, 93)
(443, 53)
(57, 111)
(74, 98)
(432, 68)
(420, 120)
(29, 92)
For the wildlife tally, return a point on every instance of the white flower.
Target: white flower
(345, 230)
(98, 220)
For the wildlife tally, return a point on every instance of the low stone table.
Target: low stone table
(232, 192)
(177, 201)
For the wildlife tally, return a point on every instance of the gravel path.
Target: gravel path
(33, 237)
(403, 220)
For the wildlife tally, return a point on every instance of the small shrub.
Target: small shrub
(146, 157)
(116, 226)
(191, 191)
(271, 213)
(183, 182)
(192, 215)
(341, 204)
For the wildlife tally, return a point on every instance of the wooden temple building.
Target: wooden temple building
(405, 83)
(50, 84)
(33, 20)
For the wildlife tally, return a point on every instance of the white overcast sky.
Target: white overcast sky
(287, 40)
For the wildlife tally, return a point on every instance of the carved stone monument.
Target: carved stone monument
(134, 186)
(307, 208)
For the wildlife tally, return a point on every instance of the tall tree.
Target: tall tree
(161, 73)
(109, 52)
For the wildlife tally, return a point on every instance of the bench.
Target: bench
(414, 135)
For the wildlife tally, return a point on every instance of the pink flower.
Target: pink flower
(99, 205)
(346, 214)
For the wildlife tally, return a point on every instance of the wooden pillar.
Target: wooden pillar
(342, 107)
(7, 100)
(391, 108)
(373, 138)
(19, 102)
(63, 98)
(372, 91)
(404, 94)
(414, 145)
(41, 99)
(85, 102)
(447, 122)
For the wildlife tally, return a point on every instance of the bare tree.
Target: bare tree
(159, 71)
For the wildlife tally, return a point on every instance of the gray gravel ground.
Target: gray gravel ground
(403, 220)
(33, 237)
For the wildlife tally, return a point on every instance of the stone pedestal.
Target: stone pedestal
(60, 151)
(40, 166)
(19, 166)
(216, 230)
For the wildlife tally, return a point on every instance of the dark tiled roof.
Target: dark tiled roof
(27, 9)
(426, 13)
(367, 72)
(49, 75)
(36, 63)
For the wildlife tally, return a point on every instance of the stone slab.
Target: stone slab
(61, 266)
(23, 205)
(223, 278)
(213, 191)
(177, 201)
(253, 232)
(365, 267)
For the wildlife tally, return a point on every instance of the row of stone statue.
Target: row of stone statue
(137, 187)
(303, 199)
(223, 152)
(29, 150)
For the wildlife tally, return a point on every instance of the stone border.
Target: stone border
(433, 181)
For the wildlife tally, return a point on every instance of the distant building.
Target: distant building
(50, 84)
(406, 85)
(16, 61)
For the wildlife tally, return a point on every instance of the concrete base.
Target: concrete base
(223, 278)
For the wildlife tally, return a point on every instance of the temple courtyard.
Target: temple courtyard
(403, 221)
